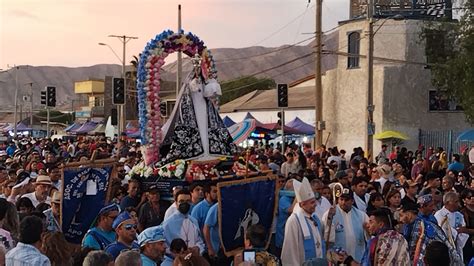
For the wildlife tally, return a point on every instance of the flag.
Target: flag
(243, 203)
(84, 194)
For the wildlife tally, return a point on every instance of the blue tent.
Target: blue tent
(249, 116)
(301, 126)
(73, 127)
(228, 122)
(22, 127)
(467, 135)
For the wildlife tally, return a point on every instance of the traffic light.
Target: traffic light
(163, 110)
(282, 91)
(43, 97)
(280, 116)
(50, 96)
(118, 91)
(113, 117)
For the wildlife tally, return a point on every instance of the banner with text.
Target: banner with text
(85, 192)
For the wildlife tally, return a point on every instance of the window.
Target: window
(353, 50)
(440, 101)
(435, 46)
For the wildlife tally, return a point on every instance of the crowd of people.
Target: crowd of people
(403, 208)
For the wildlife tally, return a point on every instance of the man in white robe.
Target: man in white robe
(361, 197)
(183, 225)
(348, 226)
(303, 240)
(452, 221)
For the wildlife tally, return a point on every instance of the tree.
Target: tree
(243, 85)
(452, 59)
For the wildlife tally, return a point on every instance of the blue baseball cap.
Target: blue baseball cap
(151, 234)
(105, 210)
(425, 199)
(122, 217)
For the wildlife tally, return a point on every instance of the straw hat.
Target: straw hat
(43, 180)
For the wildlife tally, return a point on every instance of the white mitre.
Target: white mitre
(303, 190)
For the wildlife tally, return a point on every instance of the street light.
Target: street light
(111, 49)
(124, 39)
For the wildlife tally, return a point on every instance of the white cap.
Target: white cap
(303, 190)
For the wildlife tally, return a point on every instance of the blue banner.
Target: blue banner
(241, 204)
(85, 191)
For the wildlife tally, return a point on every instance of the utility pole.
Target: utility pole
(370, 83)
(16, 102)
(180, 58)
(282, 130)
(124, 39)
(319, 125)
(47, 122)
(31, 103)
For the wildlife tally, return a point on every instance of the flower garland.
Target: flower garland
(174, 169)
(141, 169)
(148, 82)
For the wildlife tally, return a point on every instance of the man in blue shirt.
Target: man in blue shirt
(102, 234)
(212, 237)
(11, 149)
(201, 209)
(126, 229)
(211, 232)
(285, 208)
(27, 252)
(152, 245)
(132, 199)
(456, 165)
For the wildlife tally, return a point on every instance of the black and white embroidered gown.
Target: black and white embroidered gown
(195, 130)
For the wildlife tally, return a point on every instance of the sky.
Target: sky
(67, 32)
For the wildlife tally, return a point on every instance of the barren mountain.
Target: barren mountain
(283, 64)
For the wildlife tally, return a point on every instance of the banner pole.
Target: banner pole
(247, 155)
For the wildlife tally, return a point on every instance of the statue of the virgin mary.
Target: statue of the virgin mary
(195, 130)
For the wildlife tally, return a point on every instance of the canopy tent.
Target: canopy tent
(130, 128)
(134, 135)
(467, 135)
(241, 131)
(227, 121)
(288, 130)
(391, 134)
(22, 127)
(100, 129)
(85, 128)
(73, 127)
(249, 116)
(6, 128)
(301, 126)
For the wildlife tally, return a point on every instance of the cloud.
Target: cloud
(23, 14)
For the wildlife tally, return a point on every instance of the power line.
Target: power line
(274, 67)
(266, 53)
(286, 25)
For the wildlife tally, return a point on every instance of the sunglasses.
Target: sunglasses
(129, 227)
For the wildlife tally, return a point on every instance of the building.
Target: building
(404, 98)
(91, 95)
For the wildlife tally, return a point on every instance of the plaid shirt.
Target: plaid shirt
(26, 255)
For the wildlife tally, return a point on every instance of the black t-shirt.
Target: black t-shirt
(408, 200)
(148, 217)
